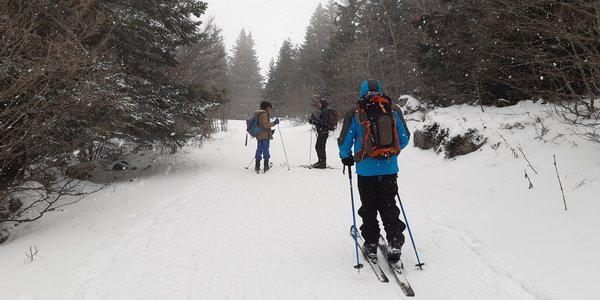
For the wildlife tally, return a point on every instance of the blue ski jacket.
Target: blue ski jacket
(351, 136)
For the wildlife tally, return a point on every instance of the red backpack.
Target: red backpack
(376, 117)
(334, 119)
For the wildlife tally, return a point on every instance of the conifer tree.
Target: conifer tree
(204, 63)
(311, 63)
(244, 80)
(283, 83)
(343, 65)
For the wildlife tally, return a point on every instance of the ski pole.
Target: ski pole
(250, 162)
(420, 264)
(355, 233)
(310, 147)
(246, 144)
(281, 137)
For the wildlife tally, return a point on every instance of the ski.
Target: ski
(270, 166)
(397, 269)
(311, 167)
(374, 266)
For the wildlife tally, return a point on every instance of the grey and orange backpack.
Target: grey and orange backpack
(375, 114)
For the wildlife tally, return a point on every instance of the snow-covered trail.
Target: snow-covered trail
(233, 234)
(211, 229)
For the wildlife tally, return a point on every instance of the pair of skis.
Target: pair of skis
(270, 166)
(396, 268)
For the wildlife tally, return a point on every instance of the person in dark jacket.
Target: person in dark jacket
(265, 135)
(321, 123)
(377, 178)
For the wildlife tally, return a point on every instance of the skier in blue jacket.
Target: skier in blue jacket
(376, 164)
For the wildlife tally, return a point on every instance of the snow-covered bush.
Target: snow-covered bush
(463, 144)
(430, 137)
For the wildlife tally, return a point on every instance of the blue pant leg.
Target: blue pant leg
(266, 154)
(259, 150)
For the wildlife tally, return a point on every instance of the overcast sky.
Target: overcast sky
(270, 21)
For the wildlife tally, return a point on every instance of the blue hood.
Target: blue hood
(370, 86)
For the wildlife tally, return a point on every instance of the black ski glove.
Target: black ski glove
(348, 161)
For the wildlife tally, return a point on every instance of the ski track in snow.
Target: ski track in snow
(492, 263)
(215, 230)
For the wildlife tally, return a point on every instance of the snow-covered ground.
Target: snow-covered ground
(203, 227)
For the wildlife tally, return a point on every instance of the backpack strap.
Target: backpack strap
(260, 124)
(348, 116)
(365, 127)
(397, 109)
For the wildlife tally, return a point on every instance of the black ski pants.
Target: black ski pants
(377, 194)
(320, 145)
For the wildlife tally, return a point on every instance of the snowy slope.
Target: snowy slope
(204, 227)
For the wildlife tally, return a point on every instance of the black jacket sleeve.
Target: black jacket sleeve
(321, 121)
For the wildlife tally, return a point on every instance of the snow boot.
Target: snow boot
(370, 251)
(395, 250)
(321, 164)
(257, 166)
(267, 167)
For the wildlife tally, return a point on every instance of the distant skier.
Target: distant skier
(376, 129)
(265, 136)
(321, 122)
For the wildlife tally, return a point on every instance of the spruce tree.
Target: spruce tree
(244, 80)
(283, 83)
(316, 41)
(343, 64)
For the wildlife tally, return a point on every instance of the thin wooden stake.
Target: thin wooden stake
(559, 182)
(524, 156)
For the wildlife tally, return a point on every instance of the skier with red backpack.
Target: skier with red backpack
(377, 131)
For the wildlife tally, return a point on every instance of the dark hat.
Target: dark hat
(323, 102)
(264, 105)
